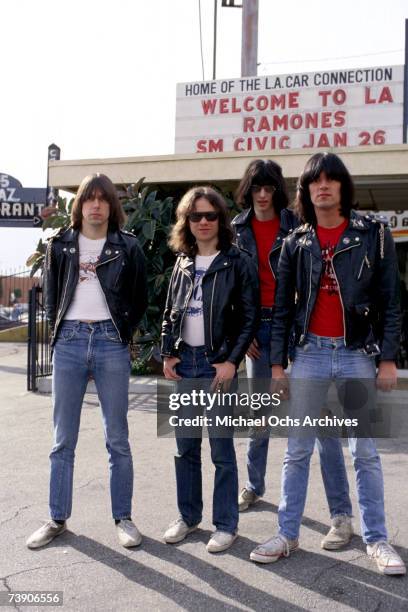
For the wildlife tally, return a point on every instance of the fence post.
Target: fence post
(32, 340)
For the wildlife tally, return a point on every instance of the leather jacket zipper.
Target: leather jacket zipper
(308, 298)
(338, 284)
(190, 291)
(113, 320)
(211, 311)
(365, 261)
(61, 310)
(278, 246)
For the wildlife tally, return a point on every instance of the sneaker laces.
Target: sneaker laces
(276, 544)
(178, 521)
(384, 548)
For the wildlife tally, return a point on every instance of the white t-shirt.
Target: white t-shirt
(88, 303)
(193, 327)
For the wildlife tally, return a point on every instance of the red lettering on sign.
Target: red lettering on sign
(247, 104)
(324, 95)
(249, 124)
(235, 107)
(210, 146)
(209, 106)
(224, 105)
(385, 96)
(263, 124)
(339, 118)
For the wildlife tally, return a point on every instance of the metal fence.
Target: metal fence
(38, 348)
(14, 289)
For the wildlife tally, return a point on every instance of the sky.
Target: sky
(98, 77)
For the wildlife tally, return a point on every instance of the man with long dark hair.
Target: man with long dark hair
(261, 229)
(338, 291)
(95, 295)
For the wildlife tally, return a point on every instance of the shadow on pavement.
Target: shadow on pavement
(183, 595)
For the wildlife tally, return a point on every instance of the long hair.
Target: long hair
(263, 172)
(98, 184)
(334, 168)
(181, 238)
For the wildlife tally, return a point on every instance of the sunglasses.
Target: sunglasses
(209, 215)
(267, 188)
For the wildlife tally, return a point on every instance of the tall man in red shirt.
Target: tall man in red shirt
(338, 290)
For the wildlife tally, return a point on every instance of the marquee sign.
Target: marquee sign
(339, 108)
(20, 206)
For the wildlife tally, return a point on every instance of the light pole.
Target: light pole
(249, 45)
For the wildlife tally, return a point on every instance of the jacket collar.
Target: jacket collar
(223, 260)
(307, 237)
(71, 235)
(287, 219)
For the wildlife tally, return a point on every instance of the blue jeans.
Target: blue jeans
(83, 350)
(316, 364)
(332, 464)
(194, 364)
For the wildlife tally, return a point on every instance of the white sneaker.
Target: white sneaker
(273, 549)
(177, 531)
(388, 560)
(221, 540)
(45, 534)
(128, 533)
(247, 498)
(340, 533)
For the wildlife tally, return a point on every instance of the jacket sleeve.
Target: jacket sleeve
(283, 309)
(50, 284)
(388, 287)
(248, 305)
(167, 339)
(138, 297)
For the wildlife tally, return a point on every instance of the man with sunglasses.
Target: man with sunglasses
(209, 321)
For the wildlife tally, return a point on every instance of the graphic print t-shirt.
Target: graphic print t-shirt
(327, 316)
(88, 303)
(193, 328)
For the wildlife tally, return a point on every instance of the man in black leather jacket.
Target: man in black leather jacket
(261, 229)
(95, 294)
(209, 321)
(338, 285)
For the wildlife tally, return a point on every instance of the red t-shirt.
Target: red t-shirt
(265, 233)
(327, 315)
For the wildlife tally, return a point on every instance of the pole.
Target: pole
(249, 48)
(405, 116)
(215, 42)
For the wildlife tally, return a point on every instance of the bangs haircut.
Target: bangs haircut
(334, 168)
(181, 239)
(263, 172)
(91, 186)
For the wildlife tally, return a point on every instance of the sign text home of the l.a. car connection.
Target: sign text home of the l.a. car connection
(340, 108)
(19, 206)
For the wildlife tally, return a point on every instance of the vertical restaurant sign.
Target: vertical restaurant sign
(338, 108)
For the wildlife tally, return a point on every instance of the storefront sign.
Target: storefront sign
(340, 108)
(19, 206)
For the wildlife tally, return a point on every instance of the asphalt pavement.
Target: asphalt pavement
(95, 573)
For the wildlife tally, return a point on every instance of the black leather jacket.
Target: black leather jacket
(366, 268)
(230, 305)
(246, 239)
(120, 271)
